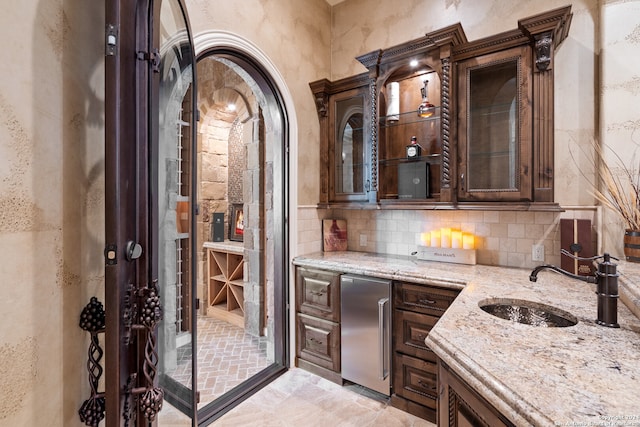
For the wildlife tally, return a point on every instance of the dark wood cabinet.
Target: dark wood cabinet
(416, 309)
(494, 127)
(487, 139)
(318, 322)
(345, 150)
(319, 342)
(460, 405)
(398, 89)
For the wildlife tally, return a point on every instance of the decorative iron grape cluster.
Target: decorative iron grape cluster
(92, 316)
(151, 403)
(92, 411)
(152, 310)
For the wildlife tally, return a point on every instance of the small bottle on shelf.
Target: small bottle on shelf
(425, 109)
(413, 149)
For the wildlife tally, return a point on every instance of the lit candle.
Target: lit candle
(425, 238)
(468, 241)
(445, 237)
(435, 238)
(456, 239)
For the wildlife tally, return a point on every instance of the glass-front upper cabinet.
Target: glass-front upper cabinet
(495, 127)
(505, 110)
(345, 153)
(348, 157)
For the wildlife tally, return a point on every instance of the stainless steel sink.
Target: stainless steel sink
(528, 312)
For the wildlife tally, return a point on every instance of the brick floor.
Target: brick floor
(226, 357)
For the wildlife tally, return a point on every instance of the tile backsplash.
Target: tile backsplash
(503, 238)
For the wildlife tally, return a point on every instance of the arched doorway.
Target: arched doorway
(242, 278)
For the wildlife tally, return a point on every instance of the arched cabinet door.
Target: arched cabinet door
(149, 209)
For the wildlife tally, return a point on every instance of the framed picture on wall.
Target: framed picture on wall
(236, 222)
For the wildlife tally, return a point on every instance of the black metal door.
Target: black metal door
(149, 126)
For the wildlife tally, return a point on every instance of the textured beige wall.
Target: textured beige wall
(51, 205)
(620, 114)
(294, 35)
(51, 144)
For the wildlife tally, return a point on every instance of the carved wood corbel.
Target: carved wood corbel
(543, 51)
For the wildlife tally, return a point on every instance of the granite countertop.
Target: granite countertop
(580, 375)
(226, 246)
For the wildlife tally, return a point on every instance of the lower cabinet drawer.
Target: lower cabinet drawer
(318, 341)
(409, 332)
(423, 298)
(415, 380)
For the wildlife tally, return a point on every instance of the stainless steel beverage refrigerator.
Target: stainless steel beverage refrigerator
(365, 318)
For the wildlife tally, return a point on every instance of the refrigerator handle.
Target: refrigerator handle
(383, 372)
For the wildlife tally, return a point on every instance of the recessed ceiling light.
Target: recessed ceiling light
(231, 107)
(414, 63)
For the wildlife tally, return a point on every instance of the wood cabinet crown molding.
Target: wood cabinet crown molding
(554, 23)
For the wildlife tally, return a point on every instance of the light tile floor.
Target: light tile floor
(299, 398)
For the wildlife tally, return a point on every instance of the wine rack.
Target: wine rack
(225, 276)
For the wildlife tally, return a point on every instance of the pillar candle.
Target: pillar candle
(435, 239)
(425, 238)
(456, 239)
(393, 94)
(445, 237)
(468, 241)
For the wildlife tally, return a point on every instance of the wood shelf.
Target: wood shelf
(225, 264)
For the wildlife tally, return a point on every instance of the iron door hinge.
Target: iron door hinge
(153, 58)
(197, 303)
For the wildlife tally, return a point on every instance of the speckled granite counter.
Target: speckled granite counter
(581, 375)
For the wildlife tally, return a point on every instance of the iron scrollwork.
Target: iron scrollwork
(92, 320)
(143, 312)
(152, 398)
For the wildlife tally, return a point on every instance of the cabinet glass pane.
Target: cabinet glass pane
(349, 154)
(493, 153)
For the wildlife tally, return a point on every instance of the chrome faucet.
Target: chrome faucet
(606, 279)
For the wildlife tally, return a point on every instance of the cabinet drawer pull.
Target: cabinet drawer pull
(316, 293)
(426, 385)
(315, 341)
(427, 301)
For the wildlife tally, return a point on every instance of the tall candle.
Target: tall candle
(456, 239)
(445, 237)
(468, 241)
(393, 94)
(435, 239)
(425, 238)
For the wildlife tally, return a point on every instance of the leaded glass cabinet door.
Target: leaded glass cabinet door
(149, 180)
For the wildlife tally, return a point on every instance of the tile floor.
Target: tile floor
(299, 398)
(227, 356)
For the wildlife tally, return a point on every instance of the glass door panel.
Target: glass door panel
(173, 179)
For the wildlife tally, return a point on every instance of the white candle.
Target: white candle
(425, 238)
(468, 241)
(456, 239)
(435, 239)
(445, 237)
(393, 93)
